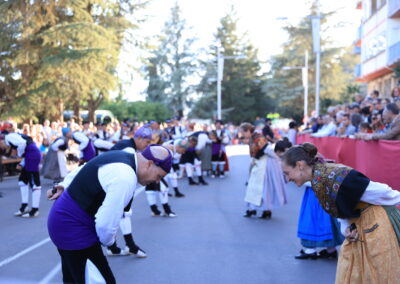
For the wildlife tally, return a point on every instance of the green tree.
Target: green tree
(171, 64)
(337, 70)
(140, 111)
(242, 95)
(62, 52)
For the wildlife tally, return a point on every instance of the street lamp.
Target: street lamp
(316, 29)
(220, 72)
(304, 73)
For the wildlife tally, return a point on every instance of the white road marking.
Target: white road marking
(25, 251)
(51, 274)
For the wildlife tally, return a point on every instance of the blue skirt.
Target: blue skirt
(317, 228)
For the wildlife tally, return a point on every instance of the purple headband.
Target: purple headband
(144, 132)
(164, 164)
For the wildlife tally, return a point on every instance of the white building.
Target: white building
(379, 43)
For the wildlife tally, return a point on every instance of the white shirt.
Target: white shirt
(376, 193)
(225, 137)
(82, 138)
(119, 182)
(291, 135)
(16, 140)
(326, 130)
(202, 140)
(55, 146)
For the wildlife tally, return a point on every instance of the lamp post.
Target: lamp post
(220, 73)
(304, 73)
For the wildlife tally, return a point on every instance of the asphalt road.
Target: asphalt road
(209, 241)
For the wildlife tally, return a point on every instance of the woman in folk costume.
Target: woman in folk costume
(316, 229)
(55, 162)
(266, 185)
(368, 216)
(220, 138)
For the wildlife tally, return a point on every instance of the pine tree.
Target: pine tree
(171, 64)
(242, 96)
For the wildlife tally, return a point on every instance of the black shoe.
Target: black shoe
(202, 181)
(250, 213)
(304, 255)
(115, 250)
(325, 254)
(192, 182)
(167, 211)
(155, 211)
(178, 193)
(169, 194)
(266, 215)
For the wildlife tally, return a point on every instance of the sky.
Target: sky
(259, 18)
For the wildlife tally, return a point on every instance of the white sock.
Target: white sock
(125, 225)
(24, 193)
(221, 166)
(309, 250)
(151, 197)
(36, 193)
(189, 169)
(163, 197)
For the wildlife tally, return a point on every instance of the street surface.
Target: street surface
(209, 241)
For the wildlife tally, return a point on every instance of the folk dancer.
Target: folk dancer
(29, 177)
(369, 219)
(88, 212)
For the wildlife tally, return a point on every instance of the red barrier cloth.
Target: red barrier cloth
(378, 160)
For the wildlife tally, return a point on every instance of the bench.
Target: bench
(7, 161)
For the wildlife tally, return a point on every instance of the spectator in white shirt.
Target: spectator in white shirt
(328, 129)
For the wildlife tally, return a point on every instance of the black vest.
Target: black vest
(65, 145)
(124, 144)
(85, 188)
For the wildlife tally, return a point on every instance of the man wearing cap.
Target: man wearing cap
(141, 139)
(29, 177)
(55, 162)
(87, 214)
(178, 147)
(138, 143)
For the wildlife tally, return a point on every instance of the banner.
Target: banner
(378, 160)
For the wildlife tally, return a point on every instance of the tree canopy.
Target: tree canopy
(337, 70)
(171, 64)
(57, 53)
(242, 95)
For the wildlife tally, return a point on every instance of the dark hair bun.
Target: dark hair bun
(310, 149)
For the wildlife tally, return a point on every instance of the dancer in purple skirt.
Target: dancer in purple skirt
(29, 177)
(87, 214)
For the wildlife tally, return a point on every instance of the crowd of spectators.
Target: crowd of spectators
(367, 118)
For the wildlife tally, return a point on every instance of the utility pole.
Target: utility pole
(316, 23)
(220, 74)
(305, 83)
